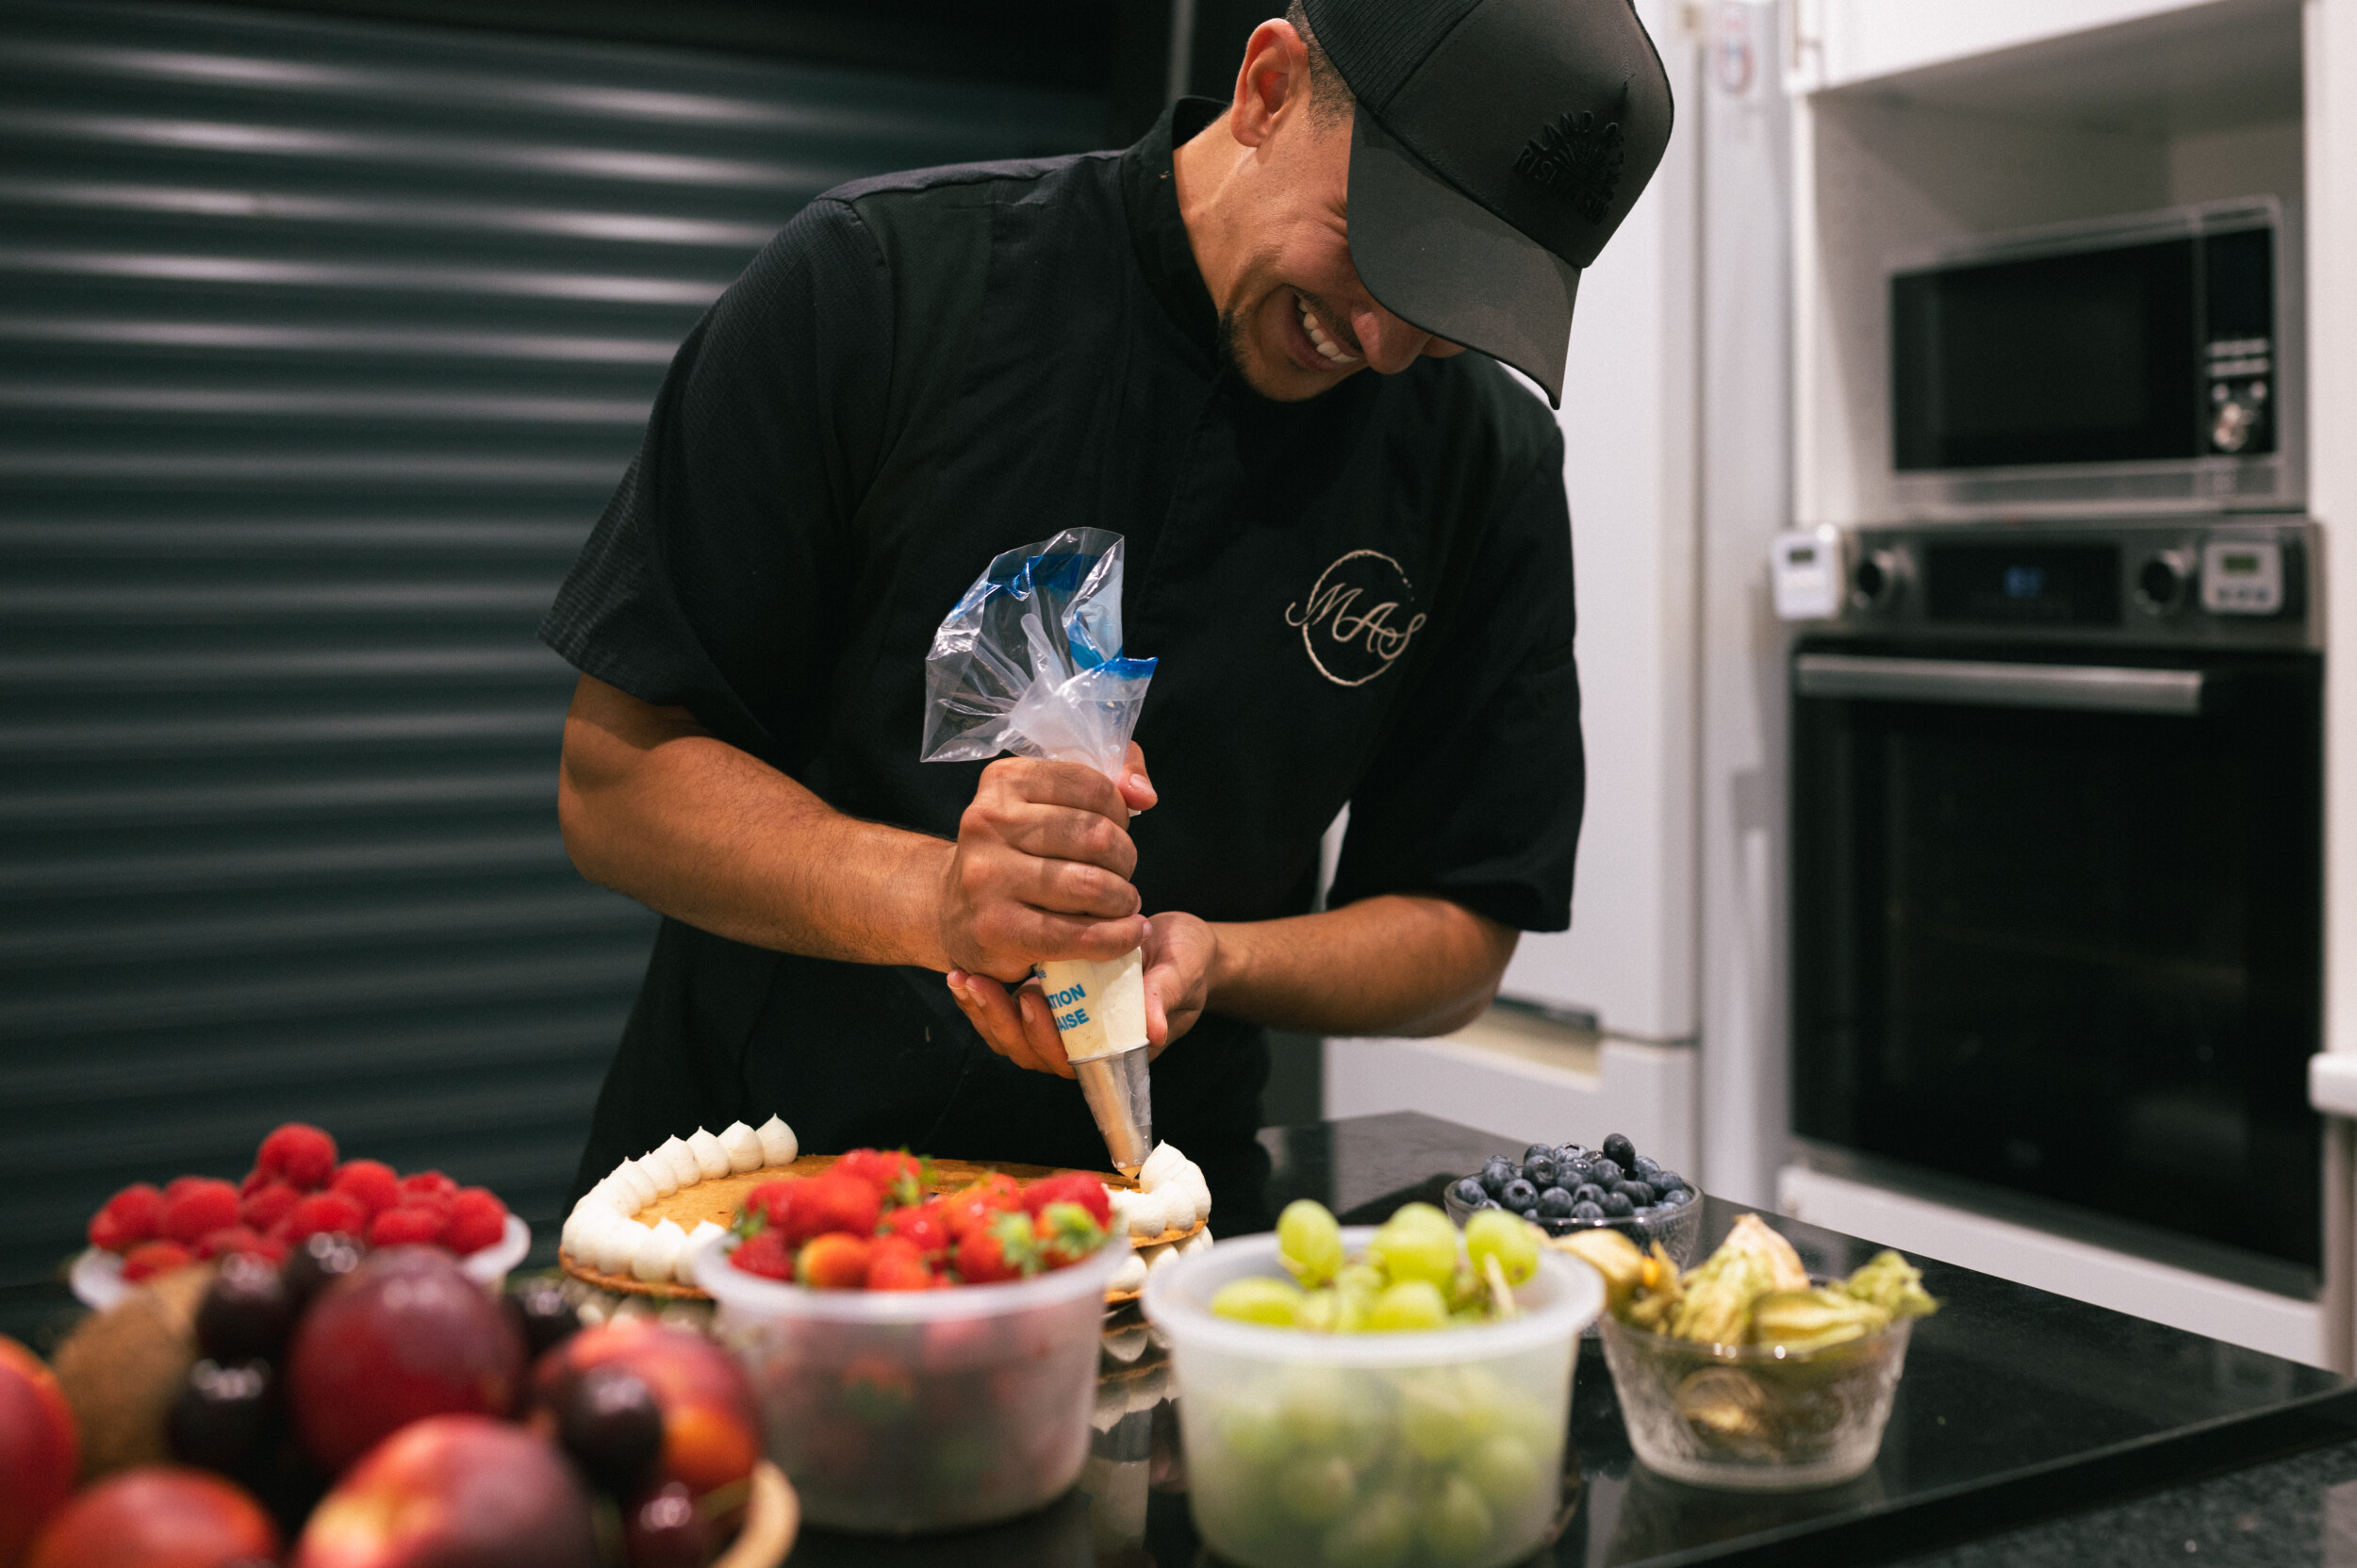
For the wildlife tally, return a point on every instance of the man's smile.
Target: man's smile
(1313, 345)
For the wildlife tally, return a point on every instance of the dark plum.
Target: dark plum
(319, 1261)
(1555, 1203)
(1619, 1152)
(1617, 1206)
(1607, 1174)
(223, 1416)
(1520, 1195)
(610, 1422)
(1469, 1192)
(246, 1311)
(541, 1313)
(666, 1531)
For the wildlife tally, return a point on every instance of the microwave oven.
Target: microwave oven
(2130, 364)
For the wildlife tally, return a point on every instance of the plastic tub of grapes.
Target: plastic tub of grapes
(1386, 1417)
(1566, 1188)
(900, 1412)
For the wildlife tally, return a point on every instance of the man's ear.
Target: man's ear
(1274, 82)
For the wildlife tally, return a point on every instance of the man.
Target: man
(1358, 586)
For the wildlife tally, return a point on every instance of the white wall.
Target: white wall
(1629, 462)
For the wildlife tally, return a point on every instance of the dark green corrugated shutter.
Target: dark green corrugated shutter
(321, 346)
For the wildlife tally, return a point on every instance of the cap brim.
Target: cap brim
(1445, 264)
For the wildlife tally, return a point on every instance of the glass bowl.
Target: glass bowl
(1755, 1417)
(1439, 1449)
(1678, 1230)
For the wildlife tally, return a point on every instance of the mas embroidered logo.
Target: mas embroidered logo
(1358, 618)
(1576, 158)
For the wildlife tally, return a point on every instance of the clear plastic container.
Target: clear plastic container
(1415, 1450)
(897, 1412)
(1755, 1417)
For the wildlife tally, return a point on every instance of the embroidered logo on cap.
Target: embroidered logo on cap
(1576, 158)
(1358, 618)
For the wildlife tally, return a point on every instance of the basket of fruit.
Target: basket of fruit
(1746, 1373)
(1566, 1188)
(1395, 1395)
(922, 1362)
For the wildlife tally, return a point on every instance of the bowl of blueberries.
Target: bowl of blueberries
(1568, 1187)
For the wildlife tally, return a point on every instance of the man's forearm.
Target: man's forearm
(1390, 964)
(692, 826)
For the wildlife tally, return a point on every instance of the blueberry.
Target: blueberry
(1541, 1174)
(1520, 1195)
(1538, 1152)
(1619, 1150)
(1617, 1206)
(1636, 1231)
(1469, 1192)
(1677, 1197)
(1662, 1180)
(1588, 1192)
(1496, 1174)
(1555, 1203)
(1570, 1154)
(1607, 1174)
(1635, 1192)
(1647, 1166)
(1589, 1211)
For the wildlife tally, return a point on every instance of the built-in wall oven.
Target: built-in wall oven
(2057, 836)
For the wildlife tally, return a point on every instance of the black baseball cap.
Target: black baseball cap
(1497, 146)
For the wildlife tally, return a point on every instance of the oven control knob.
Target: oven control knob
(2162, 582)
(1874, 582)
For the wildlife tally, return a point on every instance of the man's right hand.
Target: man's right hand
(1042, 867)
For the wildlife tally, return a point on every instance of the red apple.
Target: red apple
(711, 1426)
(454, 1491)
(40, 1447)
(158, 1516)
(403, 1336)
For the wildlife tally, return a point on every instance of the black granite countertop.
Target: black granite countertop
(2029, 1430)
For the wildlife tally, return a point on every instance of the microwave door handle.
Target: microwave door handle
(2097, 688)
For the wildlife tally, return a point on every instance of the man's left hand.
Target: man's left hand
(1018, 1023)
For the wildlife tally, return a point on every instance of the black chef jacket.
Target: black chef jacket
(1365, 598)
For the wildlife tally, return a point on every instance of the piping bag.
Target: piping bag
(1029, 662)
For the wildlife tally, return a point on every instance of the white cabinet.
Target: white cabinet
(1837, 42)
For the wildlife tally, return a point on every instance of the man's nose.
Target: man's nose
(1390, 344)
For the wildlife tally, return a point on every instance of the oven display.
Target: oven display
(2068, 584)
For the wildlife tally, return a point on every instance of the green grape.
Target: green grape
(1493, 1233)
(1483, 1402)
(1319, 1311)
(1410, 1305)
(1316, 1490)
(1364, 1280)
(1331, 1412)
(1455, 1523)
(1504, 1470)
(1378, 1534)
(1253, 1428)
(1432, 1415)
(1468, 1292)
(1258, 1300)
(1405, 1252)
(1308, 1242)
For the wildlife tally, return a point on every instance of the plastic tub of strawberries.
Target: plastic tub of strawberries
(922, 1366)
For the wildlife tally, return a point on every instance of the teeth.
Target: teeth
(1319, 340)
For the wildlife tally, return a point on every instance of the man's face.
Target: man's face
(1295, 318)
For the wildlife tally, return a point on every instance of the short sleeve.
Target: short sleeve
(1475, 792)
(709, 581)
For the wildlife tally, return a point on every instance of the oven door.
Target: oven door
(2057, 934)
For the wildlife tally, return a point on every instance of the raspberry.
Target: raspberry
(268, 1204)
(408, 1225)
(767, 1255)
(427, 1183)
(239, 1238)
(197, 1205)
(179, 1185)
(369, 1183)
(255, 1179)
(477, 1219)
(323, 1214)
(149, 1259)
(298, 1154)
(129, 1218)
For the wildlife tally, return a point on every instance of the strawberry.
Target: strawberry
(240, 1238)
(767, 1255)
(477, 1219)
(1073, 1186)
(898, 1176)
(265, 1206)
(926, 1225)
(149, 1259)
(369, 1183)
(194, 1206)
(1066, 1232)
(407, 1225)
(771, 1199)
(995, 1194)
(322, 1213)
(297, 1154)
(894, 1263)
(834, 1261)
(1001, 1248)
(127, 1219)
(829, 1203)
